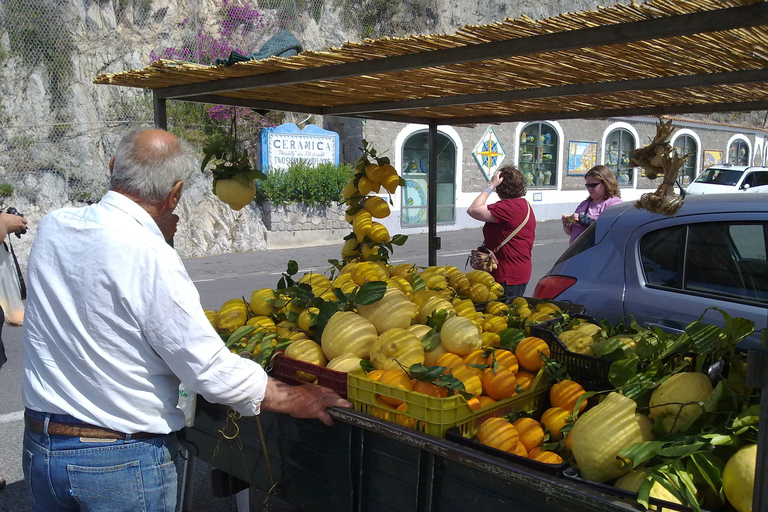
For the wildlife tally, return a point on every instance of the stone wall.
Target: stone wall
(299, 225)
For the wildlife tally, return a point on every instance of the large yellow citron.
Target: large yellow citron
(432, 304)
(231, 315)
(362, 223)
(682, 388)
(378, 232)
(459, 335)
(348, 332)
(404, 270)
(392, 310)
(237, 193)
(739, 478)
(602, 432)
(377, 206)
(396, 346)
(261, 301)
(368, 271)
(344, 363)
(308, 351)
(262, 323)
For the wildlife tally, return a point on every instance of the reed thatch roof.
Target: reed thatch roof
(659, 57)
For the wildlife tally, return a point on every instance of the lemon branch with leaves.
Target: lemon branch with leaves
(233, 173)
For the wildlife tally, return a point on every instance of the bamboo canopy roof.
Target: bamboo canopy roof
(655, 58)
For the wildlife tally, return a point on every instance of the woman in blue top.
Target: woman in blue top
(603, 192)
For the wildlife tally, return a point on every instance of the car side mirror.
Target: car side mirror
(745, 186)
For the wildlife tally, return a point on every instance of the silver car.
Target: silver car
(720, 179)
(667, 270)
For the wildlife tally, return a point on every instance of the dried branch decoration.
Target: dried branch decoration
(660, 157)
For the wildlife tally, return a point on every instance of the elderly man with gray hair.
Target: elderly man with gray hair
(113, 326)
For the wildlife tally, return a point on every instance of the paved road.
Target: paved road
(219, 278)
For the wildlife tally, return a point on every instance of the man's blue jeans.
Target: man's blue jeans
(65, 473)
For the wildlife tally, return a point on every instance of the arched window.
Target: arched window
(538, 155)
(686, 145)
(738, 152)
(619, 145)
(415, 158)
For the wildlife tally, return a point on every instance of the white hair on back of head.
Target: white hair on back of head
(150, 171)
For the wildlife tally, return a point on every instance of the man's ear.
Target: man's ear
(111, 165)
(175, 195)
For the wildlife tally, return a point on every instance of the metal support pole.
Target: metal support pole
(433, 239)
(757, 377)
(161, 112)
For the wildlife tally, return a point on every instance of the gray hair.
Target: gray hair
(151, 171)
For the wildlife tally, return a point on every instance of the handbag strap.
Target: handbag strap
(22, 285)
(517, 230)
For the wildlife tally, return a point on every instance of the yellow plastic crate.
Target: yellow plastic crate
(433, 415)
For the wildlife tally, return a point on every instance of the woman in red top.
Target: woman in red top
(501, 219)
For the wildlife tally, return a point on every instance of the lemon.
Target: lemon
(739, 478)
(377, 207)
(261, 301)
(632, 482)
(237, 193)
(674, 401)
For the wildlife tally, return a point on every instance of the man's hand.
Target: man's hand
(307, 401)
(11, 224)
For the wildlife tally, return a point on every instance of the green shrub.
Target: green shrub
(302, 183)
(6, 190)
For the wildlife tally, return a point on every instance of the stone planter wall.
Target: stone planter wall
(299, 225)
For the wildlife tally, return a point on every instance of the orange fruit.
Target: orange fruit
(565, 393)
(498, 433)
(474, 403)
(475, 357)
(403, 419)
(520, 450)
(485, 400)
(548, 457)
(528, 353)
(534, 452)
(449, 360)
(397, 378)
(525, 379)
(500, 384)
(472, 383)
(428, 388)
(504, 358)
(531, 432)
(554, 419)
(374, 374)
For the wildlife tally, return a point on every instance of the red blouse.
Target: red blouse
(515, 257)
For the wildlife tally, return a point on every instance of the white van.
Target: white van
(719, 179)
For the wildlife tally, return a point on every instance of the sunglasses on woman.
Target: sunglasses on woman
(592, 185)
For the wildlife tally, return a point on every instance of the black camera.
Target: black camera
(13, 211)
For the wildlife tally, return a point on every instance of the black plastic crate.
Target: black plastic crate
(454, 435)
(589, 371)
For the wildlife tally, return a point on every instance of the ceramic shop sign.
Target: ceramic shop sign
(286, 143)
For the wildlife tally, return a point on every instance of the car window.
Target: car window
(727, 260)
(583, 242)
(720, 176)
(662, 253)
(757, 179)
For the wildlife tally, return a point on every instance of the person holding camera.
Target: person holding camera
(113, 325)
(10, 222)
(509, 230)
(603, 191)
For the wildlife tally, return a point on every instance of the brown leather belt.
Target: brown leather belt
(81, 430)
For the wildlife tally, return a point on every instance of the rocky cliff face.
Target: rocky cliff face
(58, 129)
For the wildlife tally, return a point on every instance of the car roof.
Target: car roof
(734, 168)
(627, 216)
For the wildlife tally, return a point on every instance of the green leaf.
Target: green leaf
(293, 268)
(366, 365)
(510, 337)
(622, 371)
(437, 319)
(420, 372)
(431, 340)
(399, 240)
(326, 310)
(418, 283)
(239, 334)
(640, 453)
(370, 292)
(254, 340)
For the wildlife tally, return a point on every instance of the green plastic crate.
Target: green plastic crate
(433, 415)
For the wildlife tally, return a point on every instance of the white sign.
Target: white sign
(286, 144)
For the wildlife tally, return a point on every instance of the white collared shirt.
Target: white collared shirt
(113, 323)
